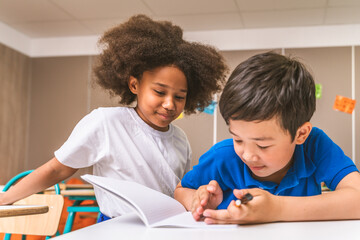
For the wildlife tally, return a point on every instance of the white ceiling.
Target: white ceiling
(65, 18)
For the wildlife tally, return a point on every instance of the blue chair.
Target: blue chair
(11, 183)
(76, 208)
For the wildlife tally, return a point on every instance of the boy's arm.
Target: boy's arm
(343, 203)
(43, 177)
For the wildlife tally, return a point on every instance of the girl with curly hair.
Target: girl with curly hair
(146, 63)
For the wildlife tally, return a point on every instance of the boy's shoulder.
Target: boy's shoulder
(319, 148)
(222, 150)
(315, 131)
(317, 136)
(224, 144)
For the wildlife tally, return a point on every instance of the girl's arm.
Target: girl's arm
(184, 196)
(196, 201)
(43, 177)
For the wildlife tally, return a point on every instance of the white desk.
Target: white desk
(130, 227)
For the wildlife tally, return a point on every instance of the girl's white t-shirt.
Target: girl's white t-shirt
(119, 144)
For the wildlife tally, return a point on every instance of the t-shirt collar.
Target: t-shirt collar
(148, 128)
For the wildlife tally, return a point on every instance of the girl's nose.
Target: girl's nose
(169, 104)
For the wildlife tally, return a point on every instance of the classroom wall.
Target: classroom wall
(62, 92)
(331, 67)
(58, 101)
(357, 112)
(15, 73)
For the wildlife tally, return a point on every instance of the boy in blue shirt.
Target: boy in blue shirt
(275, 154)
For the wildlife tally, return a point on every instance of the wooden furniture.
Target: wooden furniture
(78, 186)
(21, 210)
(78, 193)
(9, 225)
(66, 186)
(45, 223)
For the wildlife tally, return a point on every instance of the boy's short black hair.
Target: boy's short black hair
(142, 44)
(270, 85)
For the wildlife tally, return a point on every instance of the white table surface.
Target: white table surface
(131, 227)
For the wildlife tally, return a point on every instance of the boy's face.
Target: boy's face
(264, 147)
(161, 96)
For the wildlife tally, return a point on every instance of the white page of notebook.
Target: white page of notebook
(154, 208)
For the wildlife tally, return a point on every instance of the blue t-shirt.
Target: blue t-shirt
(317, 160)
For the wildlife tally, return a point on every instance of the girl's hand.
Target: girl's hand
(206, 197)
(1, 196)
(264, 207)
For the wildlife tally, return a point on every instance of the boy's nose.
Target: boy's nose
(248, 155)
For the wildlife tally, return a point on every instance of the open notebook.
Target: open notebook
(154, 208)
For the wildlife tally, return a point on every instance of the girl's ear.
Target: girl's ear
(302, 133)
(133, 84)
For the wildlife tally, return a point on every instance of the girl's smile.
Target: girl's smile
(161, 96)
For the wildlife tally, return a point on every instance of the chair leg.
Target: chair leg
(69, 222)
(98, 216)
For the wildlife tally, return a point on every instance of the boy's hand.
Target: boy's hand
(206, 197)
(264, 207)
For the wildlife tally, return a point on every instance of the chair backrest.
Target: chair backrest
(44, 224)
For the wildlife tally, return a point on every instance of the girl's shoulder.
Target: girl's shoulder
(112, 110)
(113, 113)
(178, 131)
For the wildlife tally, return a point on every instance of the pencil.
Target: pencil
(246, 198)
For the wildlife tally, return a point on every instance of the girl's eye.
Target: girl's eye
(263, 147)
(238, 141)
(179, 97)
(159, 92)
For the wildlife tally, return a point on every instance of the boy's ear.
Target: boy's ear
(133, 84)
(302, 133)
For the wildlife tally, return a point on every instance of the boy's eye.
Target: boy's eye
(263, 147)
(238, 141)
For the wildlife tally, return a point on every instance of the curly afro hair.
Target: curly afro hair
(142, 44)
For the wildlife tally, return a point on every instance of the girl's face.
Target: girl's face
(161, 96)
